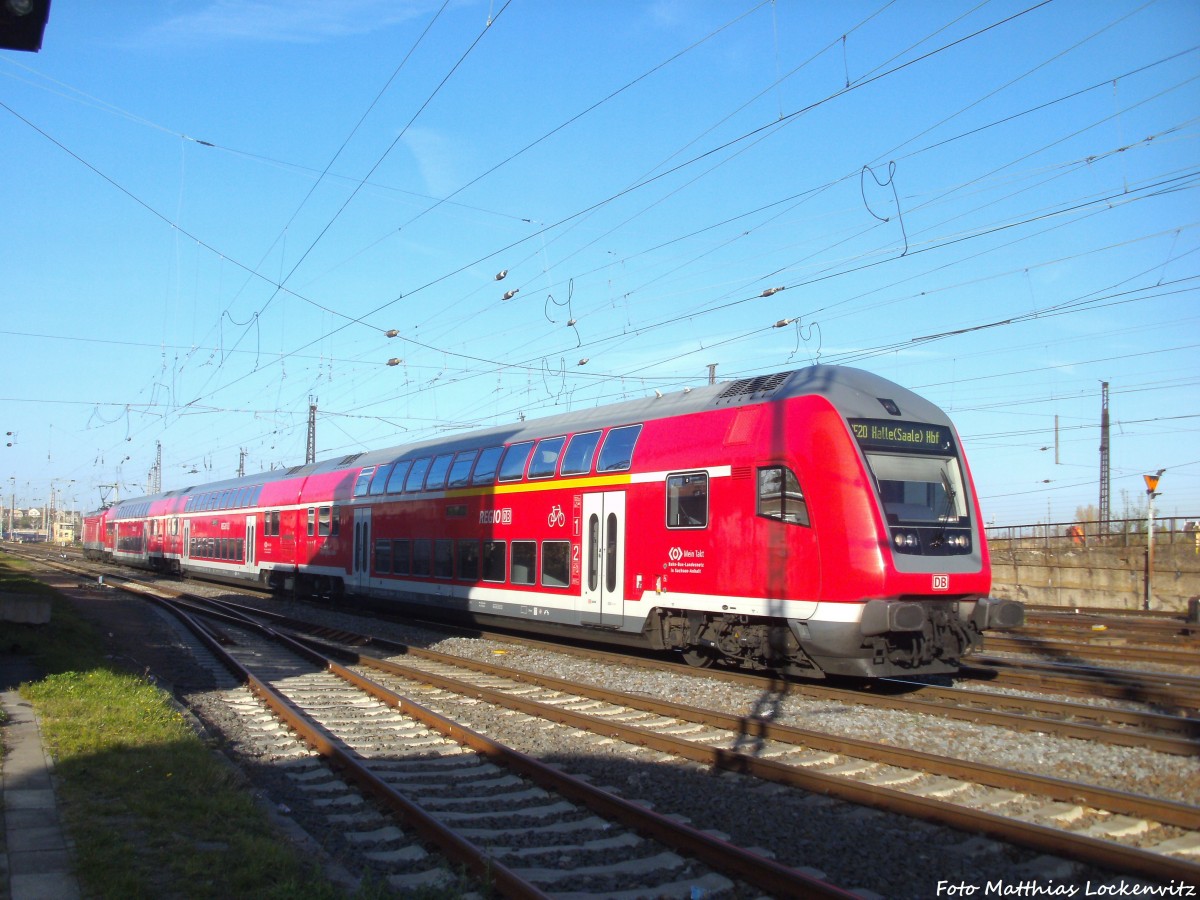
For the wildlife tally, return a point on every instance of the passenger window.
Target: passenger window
(494, 563)
(512, 467)
(460, 472)
(422, 557)
(400, 561)
(556, 564)
(485, 468)
(545, 457)
(780, 497)
(363, 481)
(443, 558)
(395, 482)
(380, 479)
(383, 556)
(416, 475)
(578, 458)
(687, 500)
(437, 472)
(617, 453)
(468, 560)
(524, 562)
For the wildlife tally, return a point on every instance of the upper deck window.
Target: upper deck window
(617, 453)
(363, 482)
(395, 482)
(485, 467)
(512, 467)
(436, 480)
(380, 479)
(577, 460)
(545, 457)
(416, 475)
(460, 472)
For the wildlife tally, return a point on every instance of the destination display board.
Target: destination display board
(882, 434)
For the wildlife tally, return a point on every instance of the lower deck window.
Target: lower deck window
(422, 560)
(468, 560)
(401, 564)
(443, 559)
(556, 564)
(524, 562)
(494, 562)
(383, 556)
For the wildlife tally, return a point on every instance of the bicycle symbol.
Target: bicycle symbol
(557, 518)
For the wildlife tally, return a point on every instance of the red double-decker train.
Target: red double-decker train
(819, 521)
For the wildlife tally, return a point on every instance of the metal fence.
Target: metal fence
(1168, 531)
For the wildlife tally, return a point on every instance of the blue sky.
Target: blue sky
(213, 211)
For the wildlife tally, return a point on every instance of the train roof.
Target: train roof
(853, 391)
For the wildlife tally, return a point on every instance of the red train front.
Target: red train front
(819, 522)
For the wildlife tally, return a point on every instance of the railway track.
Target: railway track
(1104, 820)
(516, 824)
(1095, 825)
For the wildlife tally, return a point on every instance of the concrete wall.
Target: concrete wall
(1068, 574)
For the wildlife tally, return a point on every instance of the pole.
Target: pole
(1151, 493)
(1149, 551)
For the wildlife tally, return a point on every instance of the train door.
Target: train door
(603, 578)
(360, 567)
(186, 550)
(251, 555)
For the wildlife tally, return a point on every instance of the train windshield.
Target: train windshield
(919, 489)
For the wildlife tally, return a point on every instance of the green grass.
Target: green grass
(152, 812)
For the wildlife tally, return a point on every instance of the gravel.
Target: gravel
(861, 849)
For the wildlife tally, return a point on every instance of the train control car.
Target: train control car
(818, 522)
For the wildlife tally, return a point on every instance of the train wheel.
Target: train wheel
(701, 658)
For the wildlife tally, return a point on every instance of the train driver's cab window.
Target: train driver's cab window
(577, 460)
(545, 457)
(485, 467)
(780, 497)
(617, 453)
(512, 466)
(687, 500)
(312, 518)
(363, 482)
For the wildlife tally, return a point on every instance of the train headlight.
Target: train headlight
(959, 541)
(905, 541)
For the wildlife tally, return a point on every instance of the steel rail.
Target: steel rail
(1103, 853)
(1075, 651)
(764, 873)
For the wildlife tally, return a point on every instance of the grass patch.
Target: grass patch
(151, 811)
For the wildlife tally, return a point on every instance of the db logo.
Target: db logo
(941, 582)
(676, 554)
